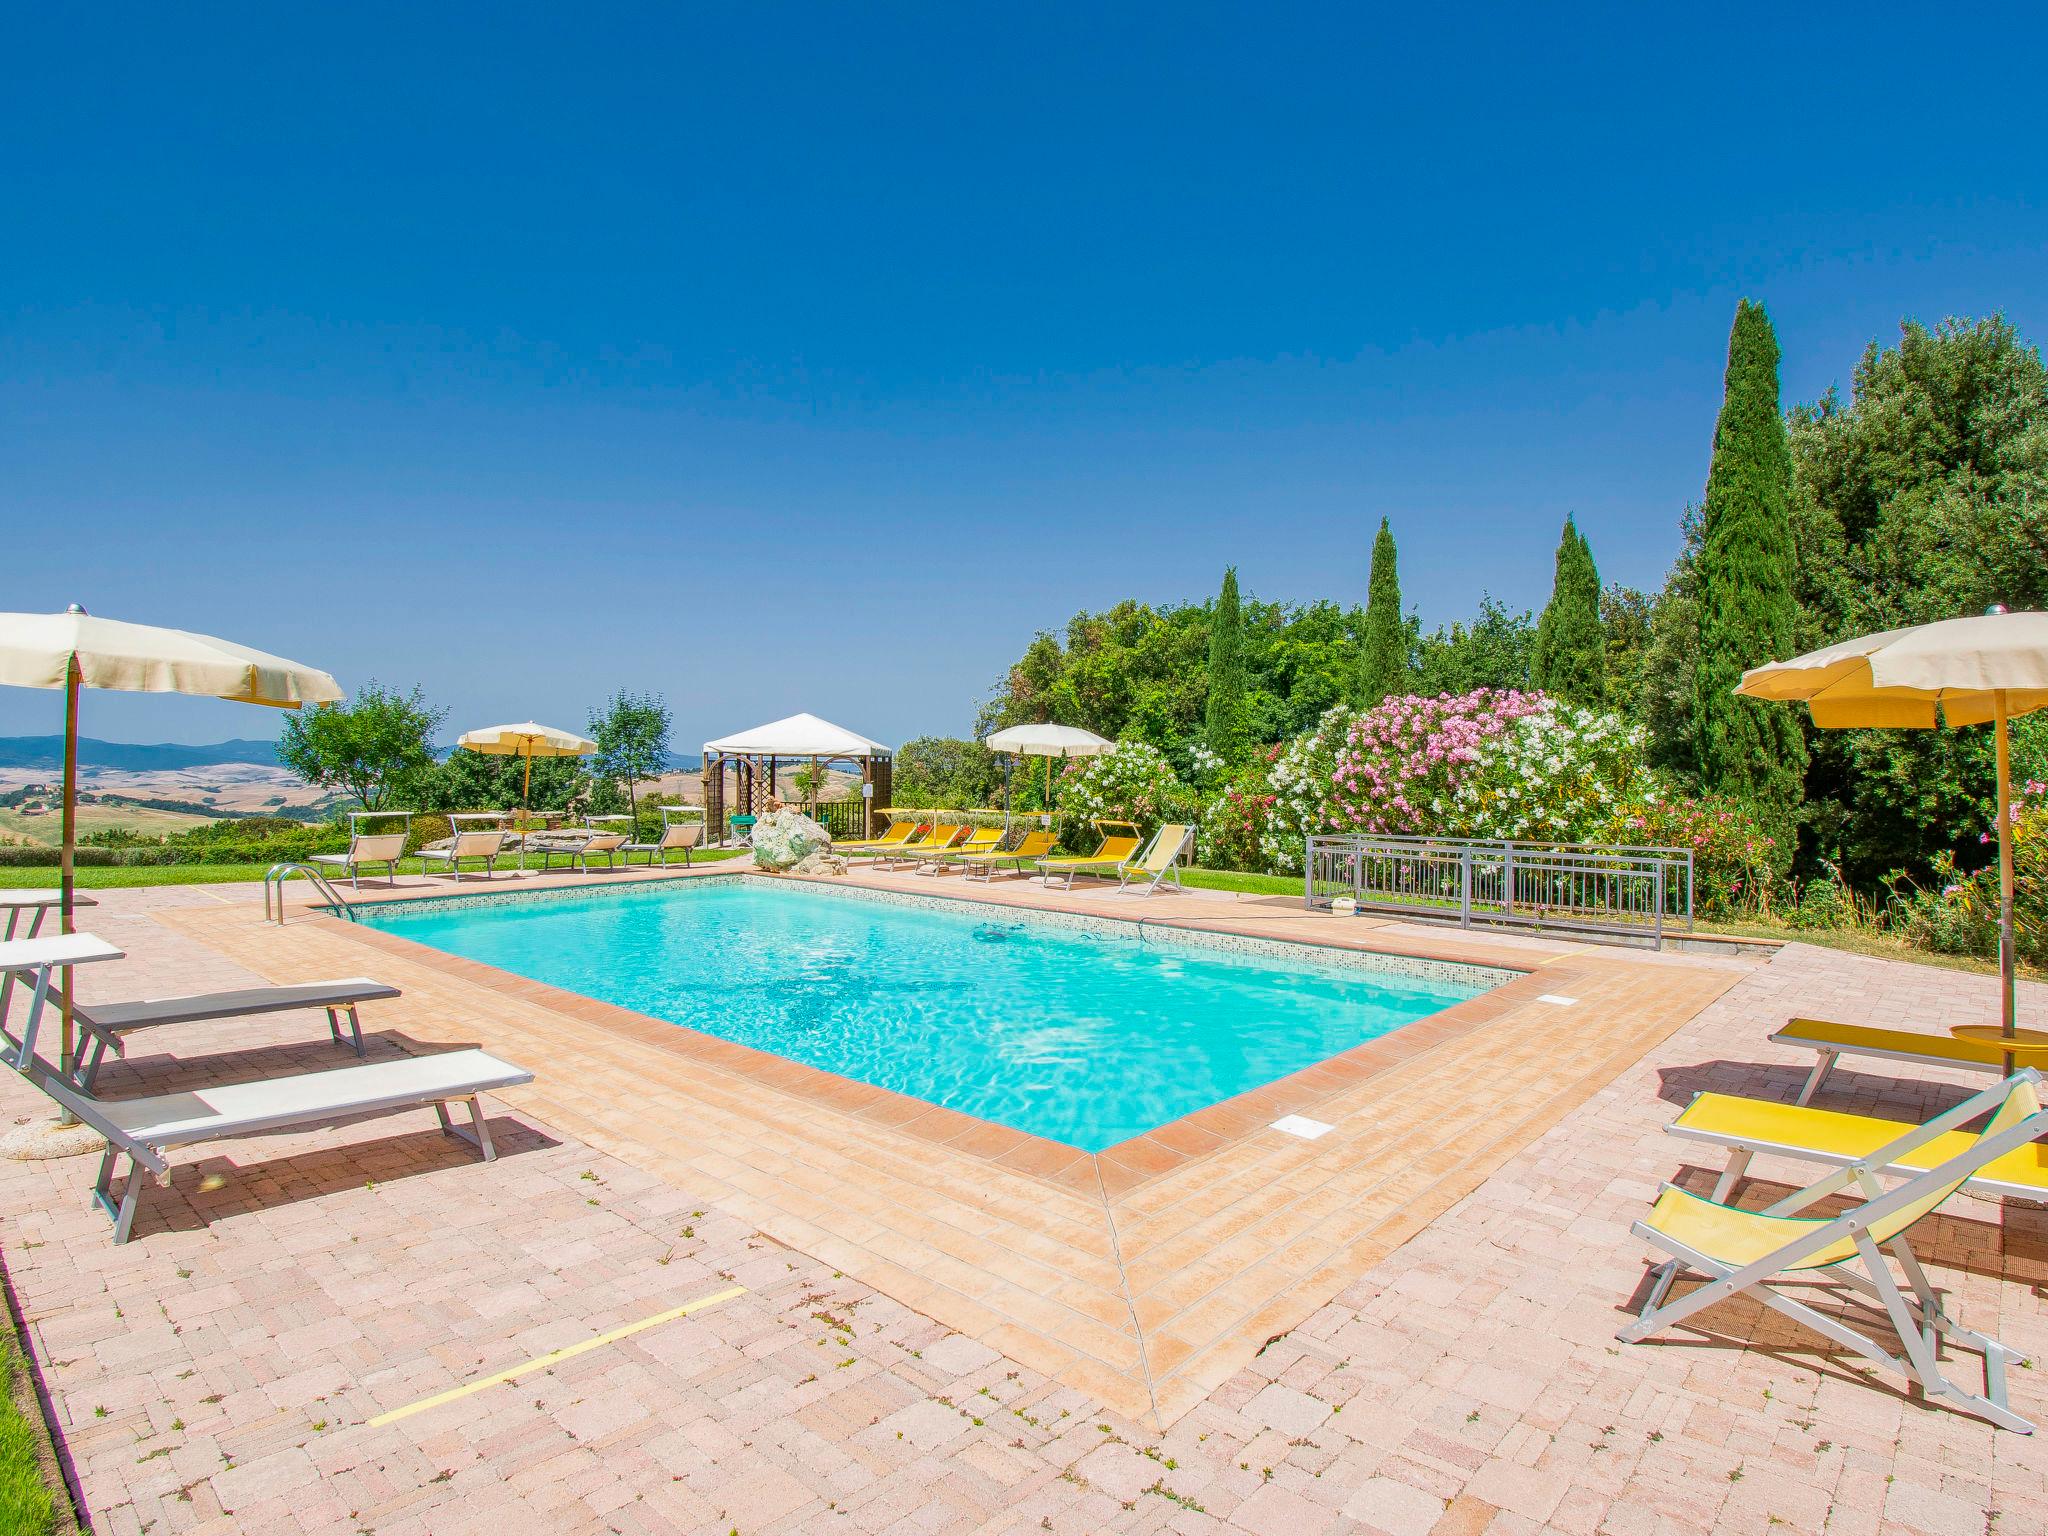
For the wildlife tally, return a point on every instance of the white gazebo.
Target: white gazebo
(755, 756)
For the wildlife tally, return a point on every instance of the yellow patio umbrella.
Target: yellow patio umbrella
(527, 739)
(74, 650)
(1977, 671)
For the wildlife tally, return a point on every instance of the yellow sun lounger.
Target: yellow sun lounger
(979, 840)
(1743, 1252)
(945, 835)
(898, 833)
(1106, 860)
(1749, 1126)
(1161, 863)
(1833, 1041)
(1032, 847)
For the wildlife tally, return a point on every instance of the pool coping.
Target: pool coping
(1116, 1170)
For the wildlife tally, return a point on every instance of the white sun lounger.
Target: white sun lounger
(105, 1023)
(144, 1130)
(365, 848)
(486, 845)
(579, 847)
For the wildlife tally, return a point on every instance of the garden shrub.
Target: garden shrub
(1735, 862)
(1957, 913)
(1234, 822)
(1402, 763)
(1555, 773)
(1134, 783)
(1301, 777)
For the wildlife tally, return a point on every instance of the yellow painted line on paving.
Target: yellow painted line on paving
(556, 1357)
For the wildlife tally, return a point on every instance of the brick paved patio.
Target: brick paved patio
(218, 1373)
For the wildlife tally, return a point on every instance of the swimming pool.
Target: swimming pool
(1081, 1030)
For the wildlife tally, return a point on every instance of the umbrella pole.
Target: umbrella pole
(67, 871)
(2007, 960)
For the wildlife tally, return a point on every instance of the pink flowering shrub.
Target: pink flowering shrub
(1234, 821)
(1735, 862)
(1401, 765)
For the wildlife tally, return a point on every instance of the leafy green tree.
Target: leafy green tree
(1571, 649)
(1496, 651)
(1922, 496)
(948, 772)
(364, 748)
(1224, 717)
(631, 733)
(1747, 748)
(1383, 658)
(478, 781)
(1625, 616)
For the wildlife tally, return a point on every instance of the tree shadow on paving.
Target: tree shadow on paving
(213, 1189)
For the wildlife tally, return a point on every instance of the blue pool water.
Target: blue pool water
(1082, 1036)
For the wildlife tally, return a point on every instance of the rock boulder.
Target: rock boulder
(784, 838)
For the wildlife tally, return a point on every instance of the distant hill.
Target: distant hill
(169, 756)
(133, 757)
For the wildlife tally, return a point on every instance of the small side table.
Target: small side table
(39, 904)
(37, 958)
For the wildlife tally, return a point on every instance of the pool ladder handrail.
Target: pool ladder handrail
(277, 874)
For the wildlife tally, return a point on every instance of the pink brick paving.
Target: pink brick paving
(215, 1375)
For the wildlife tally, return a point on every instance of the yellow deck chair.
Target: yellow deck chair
(898, 833)
(979, 840)
(1105, 860)
(916, 851)
(1833, 1041)
(1161, 863)
(1033, 846)
(1746, 1127)
(1743, 1252)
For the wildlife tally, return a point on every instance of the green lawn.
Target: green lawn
(25, 1506)
(112, 876)
(1237, 880)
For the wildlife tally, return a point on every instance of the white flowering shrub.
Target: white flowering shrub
(1560, 774)
(1301, 776)
(1134, 783)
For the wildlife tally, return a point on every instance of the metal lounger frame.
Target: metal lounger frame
(142, 1155)
(1918, 1321)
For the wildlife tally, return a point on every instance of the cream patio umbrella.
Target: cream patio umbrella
(529, 740)
(1048, 741)
(1976, 671)
(74, 650)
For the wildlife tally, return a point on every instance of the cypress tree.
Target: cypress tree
(1571, 649)
(1382, 662)
(1225, 720)
(1747, 747)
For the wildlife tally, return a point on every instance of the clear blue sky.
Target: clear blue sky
(781, 358)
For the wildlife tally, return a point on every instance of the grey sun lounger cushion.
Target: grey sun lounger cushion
(143, 1130)
(107, 1022)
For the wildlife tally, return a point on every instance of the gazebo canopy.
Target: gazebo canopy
(797, 736)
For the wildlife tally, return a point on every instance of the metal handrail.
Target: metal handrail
(1589, 887)
(277, 874)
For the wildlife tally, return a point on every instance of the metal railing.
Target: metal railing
(277, 874)
(1638, 892)
(844, 819)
